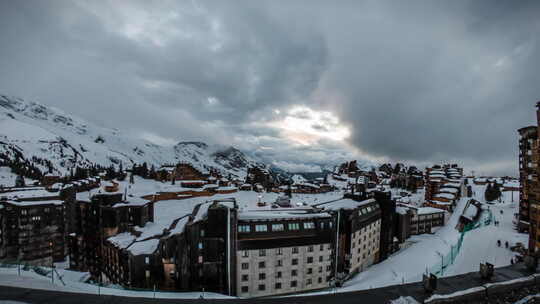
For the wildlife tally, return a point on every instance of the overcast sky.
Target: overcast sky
(297, 82)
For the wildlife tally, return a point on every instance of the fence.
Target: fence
(49, 272)
(448, 259)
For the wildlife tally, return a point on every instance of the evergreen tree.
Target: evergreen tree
(19, 181)
(496, 191)
(489, 194)
(131, 179)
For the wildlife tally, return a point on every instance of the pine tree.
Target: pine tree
(487, 193)
(131, 179)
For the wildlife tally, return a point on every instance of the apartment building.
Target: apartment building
(529, 196)
(282, 252)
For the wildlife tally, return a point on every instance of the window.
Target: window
(278, 274)
(278, 227)
(243, 228)
(147, 260)
(294, 226)
(309, 225)
(279, 251)
(202, 232)
(295, 250)
(147, 273)
(200, 245)
(321, 258)
(293, 283)
(245, 289)
(294, 262)
(262, 265)
(245, 266)
(320, 280)
(261, 228)
(278, 285)
(310, 260)
(245, 253)
(279, 263)
(310, 270)
(294, 273)
(320, 269)
(330, 225)
(245, 278)
(262, 276)
(262, 287)
(308, 282)
(262, 252)
(321, 247)
(310, 249)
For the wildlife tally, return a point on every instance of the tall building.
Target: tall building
(223, 248)
(529, 195)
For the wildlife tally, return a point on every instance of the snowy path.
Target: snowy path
(480, 245)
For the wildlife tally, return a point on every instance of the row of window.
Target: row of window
(281, 227)
(368, 209)
(279, 251)
(279, 274)
(279, 263)
(278, 285)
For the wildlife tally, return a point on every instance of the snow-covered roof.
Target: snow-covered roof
(144, 247)
(35, 203)
(35, 193)
(285, 214)
(445, 195)
(310, 185)
(132, 201)
(428, 210)
(440, 203)
(122, 240)
(228, 188)
(449, 190)
(195, 181)
(511, 184)
(470, 212)
(345, 203)
(180, 225)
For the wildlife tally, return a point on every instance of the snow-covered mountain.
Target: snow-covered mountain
(32, 131)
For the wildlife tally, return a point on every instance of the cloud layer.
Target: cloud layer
(300, 85)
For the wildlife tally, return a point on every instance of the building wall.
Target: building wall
(422, 223)
(365, 246)
(309, 266)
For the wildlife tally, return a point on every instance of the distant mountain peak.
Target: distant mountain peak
(63, 141)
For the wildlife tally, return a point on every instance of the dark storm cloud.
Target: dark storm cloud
(418, 81)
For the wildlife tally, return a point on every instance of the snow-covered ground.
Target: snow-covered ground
(479, 245)
(7, 178)
(405, 266)
(73, 283)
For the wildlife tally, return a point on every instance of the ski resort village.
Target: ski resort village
(79, 212)
(269, 152)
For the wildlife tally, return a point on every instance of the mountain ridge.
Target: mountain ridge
(30, 131)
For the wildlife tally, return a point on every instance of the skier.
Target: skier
(506, 244)
(512, 261)
(499, 243)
